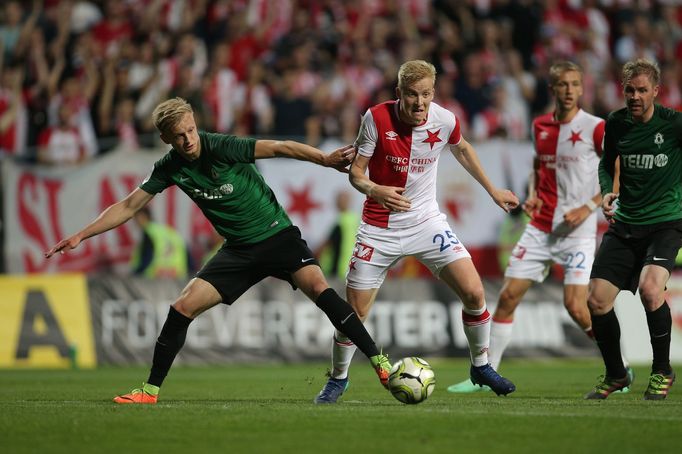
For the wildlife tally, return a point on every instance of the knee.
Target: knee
(598, 305)
(181, 305)
(190, 304)
(651, 296)
(362, 313)
(361, 301)
(473, 297)
(506, 304)
(317, 288)
(575, 308)
(311, 281)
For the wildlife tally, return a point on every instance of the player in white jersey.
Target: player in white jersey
(400, 143)
(563, 196)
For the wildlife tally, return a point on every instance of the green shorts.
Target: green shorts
(625, 249)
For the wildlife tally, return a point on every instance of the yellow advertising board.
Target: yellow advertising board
(45, 322)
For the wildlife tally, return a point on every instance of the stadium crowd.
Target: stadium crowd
(81, 77)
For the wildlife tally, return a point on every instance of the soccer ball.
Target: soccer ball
(411, 380)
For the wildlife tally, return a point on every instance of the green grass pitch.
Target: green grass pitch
(269, 409)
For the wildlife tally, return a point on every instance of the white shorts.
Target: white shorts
(537, 250)
(376, 249)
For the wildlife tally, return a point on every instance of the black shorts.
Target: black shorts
(626, 249)
(235, 269)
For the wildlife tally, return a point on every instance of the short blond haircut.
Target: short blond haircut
(559, 68)
(413, 71)
(169, 113)
(638, 67)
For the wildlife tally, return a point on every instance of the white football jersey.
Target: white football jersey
(567, 178)
(405, 156)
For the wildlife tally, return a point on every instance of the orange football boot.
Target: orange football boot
(382, 367)
(148, 394)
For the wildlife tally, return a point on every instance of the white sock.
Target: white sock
(477, 330)
(500, 335)
(342, 354)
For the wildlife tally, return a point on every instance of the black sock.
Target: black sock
(660, 323)
(344, 318)
(169, 343)
(607, 334)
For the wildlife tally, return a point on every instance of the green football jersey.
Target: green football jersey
(650, 165)
(227, 187)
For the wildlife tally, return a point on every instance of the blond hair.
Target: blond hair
(638, 67)
(413, 71)
(169, 113)
(560, 67)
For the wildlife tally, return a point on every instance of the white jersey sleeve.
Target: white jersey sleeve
(366, 141)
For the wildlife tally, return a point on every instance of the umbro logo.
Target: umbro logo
(391, 135)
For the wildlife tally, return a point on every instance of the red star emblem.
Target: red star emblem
(575, 137)
(433, 138)
(301, 203)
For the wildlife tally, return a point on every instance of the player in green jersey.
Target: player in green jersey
(217, 171)
(639, 249)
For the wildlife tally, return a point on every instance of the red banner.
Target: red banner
(44, 205)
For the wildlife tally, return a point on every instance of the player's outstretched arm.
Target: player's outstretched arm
(112, 217)
(467, 157)
(390, 197)
(338, 159)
